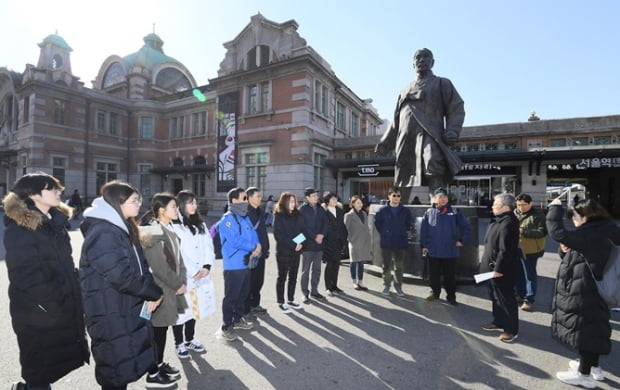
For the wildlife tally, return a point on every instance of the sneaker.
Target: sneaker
(243, 323)
(295, 305)
(596, 372)
(491, 327)
(356, 286)
(170, 371)
(386, 291)
(159, 381)
(329, 293)
(526, 306)
(306, 300)
(432, 297)
(285, 308)
(508, 337)
(182, 352)
(400, 292)
(228, 334)
(19, 386)
(338, 291)
(195, 346)
(575, 378)
(259, 310)
(362, 287)
(251, 317)
(317, 296)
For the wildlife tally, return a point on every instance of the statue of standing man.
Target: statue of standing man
(428, 120)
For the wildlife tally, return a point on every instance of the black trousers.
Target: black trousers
(257, 279)
(505, 309)
(587, 360)
(159, 333)
(288, 266)
(445, 267)
(177, 330)
(331, 274)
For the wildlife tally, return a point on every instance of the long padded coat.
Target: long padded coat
(44, 294)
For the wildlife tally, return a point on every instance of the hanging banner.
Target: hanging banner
(226, 142)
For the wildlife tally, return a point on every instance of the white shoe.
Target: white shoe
(285, 308)
(575, 378)
(596, 372)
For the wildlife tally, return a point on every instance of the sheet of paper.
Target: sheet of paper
(483, 276)
(298, 239)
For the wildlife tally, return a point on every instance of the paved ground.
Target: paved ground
(362, 340)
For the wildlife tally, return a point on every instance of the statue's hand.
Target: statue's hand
(381, 150)
(450, 137)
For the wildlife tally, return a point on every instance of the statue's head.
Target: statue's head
(423, 60)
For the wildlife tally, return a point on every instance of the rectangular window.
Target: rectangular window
(146, 127)
(340, 116)
(557, 142)
(473, 147)
(145, 179)
(113, 124)
(320, 97)
(604, 140)
(26, 109)
(319, 166)
(258, 98)
(199, 184)
(195, 123)
(491, 146)
(355, 125)
(176, 127)
(59, 165)
(580, 141)
(24, 164)
(510, 145)
(203, 123)
(100, 121)
(256, 169)
(105, 172)
(60, 112)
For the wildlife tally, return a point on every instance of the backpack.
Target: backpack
(609, 286)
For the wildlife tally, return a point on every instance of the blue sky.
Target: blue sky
(559, 58)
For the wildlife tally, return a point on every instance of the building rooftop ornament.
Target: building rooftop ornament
(533, 117)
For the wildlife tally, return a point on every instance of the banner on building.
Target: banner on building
(227, 141)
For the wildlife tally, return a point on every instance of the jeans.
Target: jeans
(526, 282)
(357, 271)
(236, 290)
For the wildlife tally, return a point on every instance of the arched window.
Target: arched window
(56, 62)
(172, 79)
(114, 75)
(257, 56)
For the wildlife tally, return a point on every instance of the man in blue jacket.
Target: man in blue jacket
(315, 229)
(393, 221)
(442, 232)
(239, 240)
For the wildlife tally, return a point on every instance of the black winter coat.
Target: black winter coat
(314, 222)
(44, 293)
(116, 281)
(336, 237)
(257, 217)
(501, 244)
(285, 228)
(580, 317)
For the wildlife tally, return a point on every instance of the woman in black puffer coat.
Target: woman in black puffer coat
(44, 294)
(116, 282)
(580, 316)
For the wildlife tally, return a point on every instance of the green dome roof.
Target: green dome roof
(56, 40)
(150, 55)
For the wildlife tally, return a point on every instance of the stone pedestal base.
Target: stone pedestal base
(422, 193)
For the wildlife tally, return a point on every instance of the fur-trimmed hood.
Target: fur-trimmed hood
(30, 218)
(151, 234)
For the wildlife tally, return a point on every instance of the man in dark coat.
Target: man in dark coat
(418, 136)
(44, 293)
(315, 229)
(257, 274)
(501, 257)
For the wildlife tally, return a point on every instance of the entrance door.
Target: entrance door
(177, 186)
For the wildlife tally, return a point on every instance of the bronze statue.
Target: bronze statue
(428, 119)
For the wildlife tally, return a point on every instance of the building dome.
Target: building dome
(57, 41)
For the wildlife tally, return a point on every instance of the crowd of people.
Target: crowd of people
(136, 278)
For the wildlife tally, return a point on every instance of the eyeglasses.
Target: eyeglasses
(396, 195)
(135, 201)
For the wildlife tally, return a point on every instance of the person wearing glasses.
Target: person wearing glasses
(579, 316)
(314, 229)
(116, 285)
(393, 221)
(44, 292)
(239, 241)
(532, 232)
